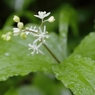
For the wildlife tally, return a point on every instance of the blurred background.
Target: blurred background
(83, 15)
(82, 24)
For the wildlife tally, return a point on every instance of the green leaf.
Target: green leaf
(66, 20)
(55, 44)
(78, 74)
(52, 87)
(16, 59)
(87, 47)
(30, 90)
(63, 29)
(11, 91)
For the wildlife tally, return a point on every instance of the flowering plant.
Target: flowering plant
(39, 34)
(73, 72)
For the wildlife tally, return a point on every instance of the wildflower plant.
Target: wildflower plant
(76, 72)
(40, 33)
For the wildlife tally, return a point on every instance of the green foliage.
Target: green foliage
(14, 63)
(53, 87)
(16, 60)
(77, 73)
(11, 91)
(86, 47)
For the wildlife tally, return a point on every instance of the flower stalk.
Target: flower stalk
(52, 54)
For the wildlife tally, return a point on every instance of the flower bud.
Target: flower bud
(23, 35)
(16, 18)
(20, 25)
(51, 19)
(3, 36)
(8, 38)
(9, 33)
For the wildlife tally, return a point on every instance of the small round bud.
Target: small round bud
(16, 18)
(8, 38)
(3, 36)
(51, 19)
(23, 35)
(9, 33)
(20, 25)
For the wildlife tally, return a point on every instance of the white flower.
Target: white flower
(41, 35)
(35, 48)
(42, 15)
(16, 31)
(31, 30)
(51, 19)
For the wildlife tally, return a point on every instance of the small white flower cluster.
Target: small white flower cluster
(40, 34)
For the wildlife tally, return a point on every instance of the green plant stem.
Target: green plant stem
(52, 54)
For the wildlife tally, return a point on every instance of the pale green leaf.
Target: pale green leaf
(78, 74)
(63, 29)
(67, 18)
(16, 59)
(55, 44)
(87, 47)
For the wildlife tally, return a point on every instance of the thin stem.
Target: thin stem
(51, 53)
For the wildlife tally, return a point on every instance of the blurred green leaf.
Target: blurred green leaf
(77, 73)
(29, 90)
(11, 91)
(53, 86)
(27, 3)
(21, 5)
(63, 29)
(87, 46)
(66, 20)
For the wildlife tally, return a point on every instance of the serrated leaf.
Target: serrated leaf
(11, 91)
(16, 59)
(77, 73)
(87, 47)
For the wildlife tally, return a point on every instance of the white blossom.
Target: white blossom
(35, 48)
(41, 35)
(16, 31)
(42, 15)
